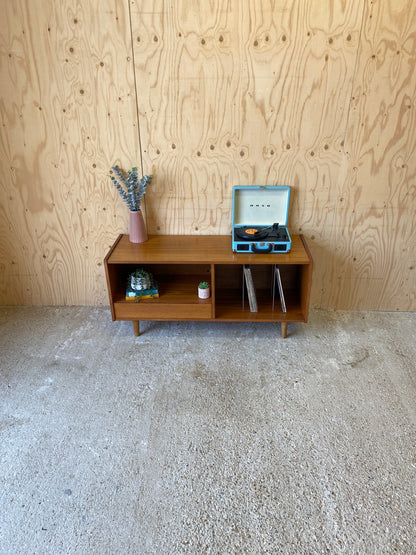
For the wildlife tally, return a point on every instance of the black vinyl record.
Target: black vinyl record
(251, 233)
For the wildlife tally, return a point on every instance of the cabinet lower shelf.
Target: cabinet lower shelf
(179, 263)
(229, 309)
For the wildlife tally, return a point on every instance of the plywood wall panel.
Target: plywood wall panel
(376, 233)
(318, 95)
(68, 113)
(239, 93)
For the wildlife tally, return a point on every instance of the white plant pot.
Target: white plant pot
(204, 293)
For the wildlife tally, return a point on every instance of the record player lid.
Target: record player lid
(260, 205)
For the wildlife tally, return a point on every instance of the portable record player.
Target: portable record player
(260, 219)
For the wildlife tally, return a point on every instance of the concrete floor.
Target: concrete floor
(206, 437)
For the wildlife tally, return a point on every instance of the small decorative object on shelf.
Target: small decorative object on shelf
(141, 285)
(132, 190)
(204, 290)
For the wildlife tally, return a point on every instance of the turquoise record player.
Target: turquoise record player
(260, 216)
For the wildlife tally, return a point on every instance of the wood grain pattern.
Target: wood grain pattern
(68, 113)
(170, 249)
(376, 233)
(318, 95)
(248, 93)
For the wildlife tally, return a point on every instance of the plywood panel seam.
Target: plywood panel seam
(136, 98)
(135, 88)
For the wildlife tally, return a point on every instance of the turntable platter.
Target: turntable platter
(251, 233)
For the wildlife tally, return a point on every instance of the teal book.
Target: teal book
(133, 295)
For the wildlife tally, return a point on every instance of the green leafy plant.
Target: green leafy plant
(141, 280)
(203, 285)
(142, 276)
(129, 186)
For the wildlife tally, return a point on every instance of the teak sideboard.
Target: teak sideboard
(180, 262)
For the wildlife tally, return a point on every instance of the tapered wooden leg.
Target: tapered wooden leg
(136, 327)
(284, 330)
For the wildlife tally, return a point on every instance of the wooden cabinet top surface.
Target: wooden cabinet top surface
(197, 249)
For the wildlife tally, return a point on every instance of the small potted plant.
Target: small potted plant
(141, 279)
(132, 190)
(204, 290)
(141, 285)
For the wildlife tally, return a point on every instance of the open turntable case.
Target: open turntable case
(260, 216)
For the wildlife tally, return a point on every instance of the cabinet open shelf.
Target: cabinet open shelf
(230, 308)
(180, 263)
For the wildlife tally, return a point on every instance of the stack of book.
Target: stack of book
(134, 295)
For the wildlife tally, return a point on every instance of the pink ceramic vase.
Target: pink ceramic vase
(138, 233)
